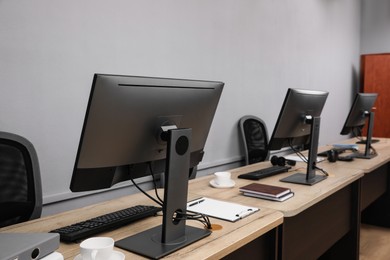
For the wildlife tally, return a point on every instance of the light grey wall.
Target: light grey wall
(49, 51)
(375, 31)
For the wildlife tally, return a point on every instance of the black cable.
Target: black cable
(154, 182)
(357, 133)
(141, 190)
(304, 159)
(322, 170)
(297, 152)
(373, 150)
(204, 219)
(147, 195)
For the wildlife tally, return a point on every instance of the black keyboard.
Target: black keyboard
(266, 172)
(105, 222)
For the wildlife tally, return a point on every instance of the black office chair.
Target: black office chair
(254, 138)
(20, 181)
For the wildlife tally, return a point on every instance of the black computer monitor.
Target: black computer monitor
(132, 123)
(298, 124)
(360, 111)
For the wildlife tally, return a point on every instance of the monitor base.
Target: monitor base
(148, 243)
(373, 141)
(363, 156)
(300, 178)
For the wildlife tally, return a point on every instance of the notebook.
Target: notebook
(280, 199)
(264, 189)
(220, 209)
(27, 245)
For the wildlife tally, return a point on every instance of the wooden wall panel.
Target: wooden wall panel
(375, 75)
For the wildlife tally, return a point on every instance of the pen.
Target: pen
(195, 203)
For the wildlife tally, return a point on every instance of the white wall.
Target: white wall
(375, 32)
(49, 51)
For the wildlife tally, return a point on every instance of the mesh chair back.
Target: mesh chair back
(255, 139)
(20, 182)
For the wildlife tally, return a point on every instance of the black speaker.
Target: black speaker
(281, 161)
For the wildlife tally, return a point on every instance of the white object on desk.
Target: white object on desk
(220, 209)
(97, 248)
(216, 185)
(222, 180)
(53, 256)
(116, 255)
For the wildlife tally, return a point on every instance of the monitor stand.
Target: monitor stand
(300, 178)
(310, 177)
(373, 141)
(173, 234)
(367, 150)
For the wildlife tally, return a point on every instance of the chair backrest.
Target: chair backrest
(254, 138)
(20, 180)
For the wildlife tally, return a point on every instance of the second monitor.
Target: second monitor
(299, 124)
(141, 126)
(361, 111)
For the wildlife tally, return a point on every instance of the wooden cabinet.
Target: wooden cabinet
(375, 77)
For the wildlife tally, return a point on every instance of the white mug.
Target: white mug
(222, 178)
(97, 248)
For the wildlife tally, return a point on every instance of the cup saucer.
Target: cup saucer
(229, 185)
(116, 255)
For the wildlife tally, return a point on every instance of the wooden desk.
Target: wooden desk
(320, 220)
(366, 165)
(258, 230)
(375, 182)
(375, 185)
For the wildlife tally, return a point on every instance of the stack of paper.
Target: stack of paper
(268, 192)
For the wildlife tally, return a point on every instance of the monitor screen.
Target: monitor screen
(124, 116)
(361, 110)
(361, 106)
(134, 122)
(298, 125)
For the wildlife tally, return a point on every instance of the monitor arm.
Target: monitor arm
(310, 177)
(367, 150)
(163, 132)
(173, 233)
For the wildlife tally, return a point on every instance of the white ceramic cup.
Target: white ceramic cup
(222, 178)
(97, 248)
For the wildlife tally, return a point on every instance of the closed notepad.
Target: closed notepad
(264, 189)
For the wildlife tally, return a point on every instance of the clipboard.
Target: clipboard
(220, 209)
